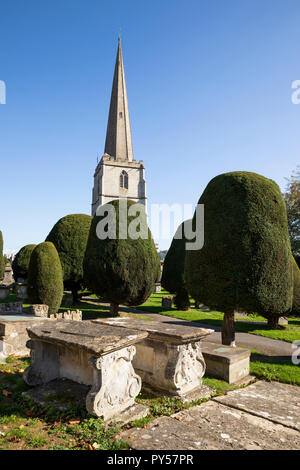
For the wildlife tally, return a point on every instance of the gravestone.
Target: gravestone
(21, 291)
(167, 302)
(157, 288)
(39, 310)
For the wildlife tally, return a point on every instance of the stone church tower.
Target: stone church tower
(118, 175)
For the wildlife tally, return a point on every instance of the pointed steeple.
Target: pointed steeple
(118, 142)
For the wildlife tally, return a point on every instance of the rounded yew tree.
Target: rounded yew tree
(21, 261)
(173, 270)
(45, 277)
(121, 263)
(2, 261)
(296, 291)
(69, 236)
(245, 263)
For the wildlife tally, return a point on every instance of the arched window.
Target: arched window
(124, 180)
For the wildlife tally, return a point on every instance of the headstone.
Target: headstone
(157, 288)
(283, 321)
(22, 291)
(75, 315)
(39, 310)
(167, 302)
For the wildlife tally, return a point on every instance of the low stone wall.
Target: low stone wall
(11, 307)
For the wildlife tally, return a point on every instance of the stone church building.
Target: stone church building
(118, 174)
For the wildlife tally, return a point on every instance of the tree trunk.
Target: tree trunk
(273, 322)
(114, 309)
(228, 331)
(75, 295)
(197, 303)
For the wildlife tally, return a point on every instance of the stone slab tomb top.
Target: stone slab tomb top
(174, 332)
(95, 338)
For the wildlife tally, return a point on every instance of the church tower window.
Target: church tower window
(124, 180)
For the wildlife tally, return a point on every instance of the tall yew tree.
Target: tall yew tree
(20, 264)
(246, 261)
(119, 268)
(45, 277)
(172, 276)
(69, 236)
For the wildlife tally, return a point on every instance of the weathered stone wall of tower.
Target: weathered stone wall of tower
(107, 183)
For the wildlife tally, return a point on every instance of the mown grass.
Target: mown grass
(274, 369)
(288, 333)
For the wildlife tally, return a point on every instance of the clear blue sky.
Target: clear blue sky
(209, 89)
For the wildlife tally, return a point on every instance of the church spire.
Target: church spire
(118, 142)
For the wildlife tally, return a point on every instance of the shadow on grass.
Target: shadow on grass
(257, 357)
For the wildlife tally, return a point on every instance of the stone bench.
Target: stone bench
(99, 356)
(169, 360)
(227, 363)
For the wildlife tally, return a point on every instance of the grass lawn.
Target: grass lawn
(289, 333)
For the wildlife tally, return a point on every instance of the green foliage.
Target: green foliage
(45, 277)
(123, 271)
(245, 264)
(172, 276)
(20, 264)
(2, 262)
(69, 236)
(296, 293)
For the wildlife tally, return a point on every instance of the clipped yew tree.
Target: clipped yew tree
(121, 266)
(173, 270)
(45, 277)
(20, 264)
(69, 236)
(296, 291)
(2, 261)
(245, 263)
